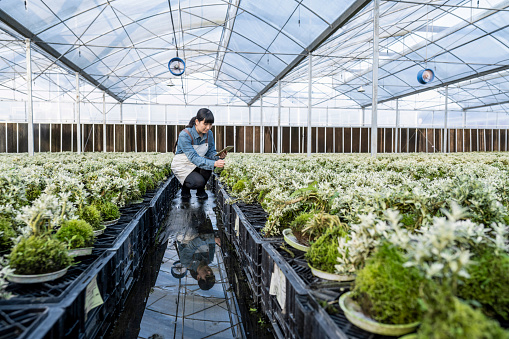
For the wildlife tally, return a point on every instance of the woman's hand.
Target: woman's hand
(219, 163)
(223, 155)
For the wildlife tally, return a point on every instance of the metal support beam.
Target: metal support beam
(104, 122)
(444, 147)
(487, 105)
(30, 107)
(279, 117)
(397, 127)
(262, 132)
(78, 117)
(22, 30)
(337, 24)
(374, 99)
(310, 83)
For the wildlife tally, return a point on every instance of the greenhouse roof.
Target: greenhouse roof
(242, 48)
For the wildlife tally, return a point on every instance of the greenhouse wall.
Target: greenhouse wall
(248, 139)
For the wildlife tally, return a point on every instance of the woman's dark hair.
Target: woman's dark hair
(203, 114)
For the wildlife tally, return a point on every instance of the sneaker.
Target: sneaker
(201, 194)
(185, 193)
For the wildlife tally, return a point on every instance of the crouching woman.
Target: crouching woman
(195, 155)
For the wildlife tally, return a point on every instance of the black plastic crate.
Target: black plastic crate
(81, 319)
(285, 311)
(53, 291)
(37, 322)
(335, 324)
(160, 203)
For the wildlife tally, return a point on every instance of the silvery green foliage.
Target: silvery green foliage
(5, 270)
(62, 182)
(46, 212)
(358, 185)
(365, 237)
(443, 249)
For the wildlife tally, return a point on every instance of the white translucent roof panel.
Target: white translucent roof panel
(453, 38)
(270, 35)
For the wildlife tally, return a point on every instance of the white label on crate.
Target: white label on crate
(93, 296)
(278, 286)
(237, 225)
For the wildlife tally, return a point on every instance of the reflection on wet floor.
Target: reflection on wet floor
(191, 297)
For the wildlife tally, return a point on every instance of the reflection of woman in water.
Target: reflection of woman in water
(196, 252)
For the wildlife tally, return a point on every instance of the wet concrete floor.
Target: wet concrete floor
(183, 289)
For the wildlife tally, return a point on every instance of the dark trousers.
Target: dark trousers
(197, 178)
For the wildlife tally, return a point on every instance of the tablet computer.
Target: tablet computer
(227, 149)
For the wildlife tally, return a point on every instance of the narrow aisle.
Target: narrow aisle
(191, 297)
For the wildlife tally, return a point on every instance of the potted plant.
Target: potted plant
(449, 317)
(78, 235)
(110, 212)
(323, 254)
(385, 299)
(91, 215)
(38, 258)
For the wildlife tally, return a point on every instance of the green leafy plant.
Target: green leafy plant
(91, 215)
(488, 282)
(448, 317)
(298, 224)
(323, 253)
(76, 233)
(38, 255)
(109, 211)
(386, 290)
(6, 234)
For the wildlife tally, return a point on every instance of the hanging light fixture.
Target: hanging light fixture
(361, 89)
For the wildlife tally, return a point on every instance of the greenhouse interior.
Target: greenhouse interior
(225, 169)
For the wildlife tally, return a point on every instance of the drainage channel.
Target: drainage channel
(191, 285)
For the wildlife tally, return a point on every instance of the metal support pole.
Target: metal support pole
(374, 107)
(397, 126)
(310, 74)
(262, 132)
(444, 147)
(78, 118)
(29, 100)
(104, 122)
(464, 127)
(279, 117)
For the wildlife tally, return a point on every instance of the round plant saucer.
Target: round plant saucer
(99, 232)
(110, 222)
(354, 314)
(36, 278)
(78, 252)
(292, 240)
(331, 276)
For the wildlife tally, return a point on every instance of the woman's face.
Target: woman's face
(202, 127)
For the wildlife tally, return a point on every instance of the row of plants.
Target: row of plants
(423, 237)
(51, 205)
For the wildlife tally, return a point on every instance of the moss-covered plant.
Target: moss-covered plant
(91, 215)
(298, 224)
(488, 283)
(323, 253)
(39, 255)
(386, 290)
(307, 227)
(448, 317)
(6, 234)
(76, 234)
(109, 211)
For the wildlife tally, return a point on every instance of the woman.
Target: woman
(195, 155)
